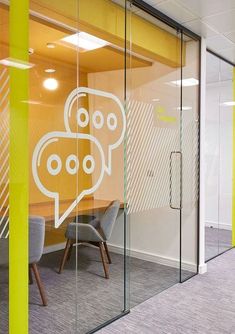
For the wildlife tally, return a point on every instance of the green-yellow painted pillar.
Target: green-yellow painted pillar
(18, 175)
(233, 204)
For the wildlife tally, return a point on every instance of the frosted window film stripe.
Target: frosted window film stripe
(4, 153)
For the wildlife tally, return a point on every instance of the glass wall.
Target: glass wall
(162, 157)
(219, 148)
(107, 148)
(76, 128)
(190, 120)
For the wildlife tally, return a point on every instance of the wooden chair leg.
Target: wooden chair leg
(65, 256)
(70, 251)
(107, 252)
(39, 283)
(105, 265)
(30, 276)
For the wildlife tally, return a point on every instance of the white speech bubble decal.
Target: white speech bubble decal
(98, 119)
(55, 165)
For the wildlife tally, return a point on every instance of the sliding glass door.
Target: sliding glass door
(162, 156)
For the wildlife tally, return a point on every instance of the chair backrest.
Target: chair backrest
(36, 238)
(109, 218)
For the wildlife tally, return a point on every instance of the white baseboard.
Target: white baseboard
(170, 262)
(202, 268)
(224, 226)
(146, 256)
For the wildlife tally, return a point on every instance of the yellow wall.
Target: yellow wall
(105, 19)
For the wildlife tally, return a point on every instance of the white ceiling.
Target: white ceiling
(212, 19)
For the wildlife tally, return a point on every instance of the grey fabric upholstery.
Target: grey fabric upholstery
(36, 238)
(109, 218)
(84, 232)
(4, 251)
(36, 241)
(96, 230)
(84, 219)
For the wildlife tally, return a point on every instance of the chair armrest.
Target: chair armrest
(83, 232)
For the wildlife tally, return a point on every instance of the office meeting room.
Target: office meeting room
(93, 213)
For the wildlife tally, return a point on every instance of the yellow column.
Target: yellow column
(18, 237)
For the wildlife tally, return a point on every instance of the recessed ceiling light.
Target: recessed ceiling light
(185, 82)
(50, 70)
(228, 104)
(85, 41)
(50, 84)
(50, 45)
(23, 65)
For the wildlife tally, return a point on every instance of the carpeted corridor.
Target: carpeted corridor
(85, 299)
(203, 305)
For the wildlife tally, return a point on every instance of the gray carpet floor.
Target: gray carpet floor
(89, 300)
(204, 304)
(216, 241)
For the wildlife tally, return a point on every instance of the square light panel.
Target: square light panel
(185, 82)
(85, 41)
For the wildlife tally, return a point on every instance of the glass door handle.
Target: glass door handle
(171, 187)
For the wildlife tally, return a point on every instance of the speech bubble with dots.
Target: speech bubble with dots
(59, 158)
(99, 113)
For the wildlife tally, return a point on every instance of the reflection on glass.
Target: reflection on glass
(219, 113)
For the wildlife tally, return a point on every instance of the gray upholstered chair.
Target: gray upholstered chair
(97, 232)
(36, 244)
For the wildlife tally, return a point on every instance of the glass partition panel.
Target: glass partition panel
(53, 152)
(219, 142)
(77, 128)
(4, 170)
(190, 158)
(154, 157)
(212, 157)
(226, 156)
(98, 107)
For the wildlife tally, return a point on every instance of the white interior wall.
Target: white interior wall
(219, 155)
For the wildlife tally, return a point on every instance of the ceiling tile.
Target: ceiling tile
(175, 11)
(219, 43)
(204, 8)
(200, 28)
(223, 22)
(231, 36)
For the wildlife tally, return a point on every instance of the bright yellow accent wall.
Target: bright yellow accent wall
(233, 198)
(105, 19)
(18, 249)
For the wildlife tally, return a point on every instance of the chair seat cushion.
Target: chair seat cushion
(83, 232)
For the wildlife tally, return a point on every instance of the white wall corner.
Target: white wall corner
(202, 265)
